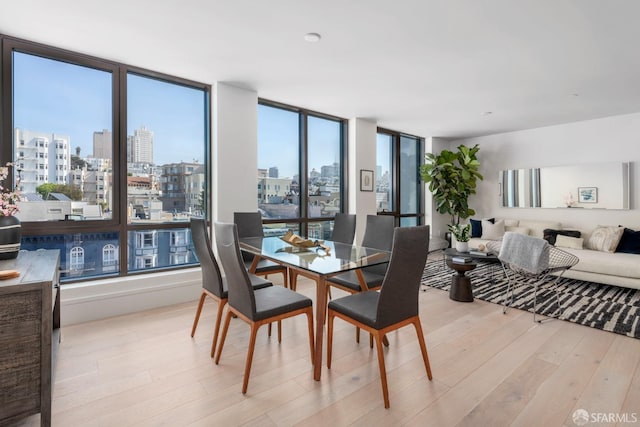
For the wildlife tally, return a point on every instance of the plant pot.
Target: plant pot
(10, 233)
(462, 246)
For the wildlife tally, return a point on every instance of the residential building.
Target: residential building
(140, 146)
(179, 187)
(102, 144)
(41, 158)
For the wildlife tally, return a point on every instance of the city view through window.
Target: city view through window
(66, 165)
(281, 192)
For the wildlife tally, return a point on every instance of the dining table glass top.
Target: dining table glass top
(328, 259)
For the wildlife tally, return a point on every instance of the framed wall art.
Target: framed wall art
(366, 180)
(587, 194)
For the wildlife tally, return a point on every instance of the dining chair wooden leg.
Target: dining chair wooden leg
(279, 331)
(370, 341)
(357, 335)
(247, 366)
(221, 304)
(285, 278)
(311, 337)
(423, 346)
(195, 321)
(330, 317)
(227, 320)
(293, 280)
(269, 329)
(383, 371)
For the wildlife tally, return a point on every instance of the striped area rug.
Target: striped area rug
(610, 308)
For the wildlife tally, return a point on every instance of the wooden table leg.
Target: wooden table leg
(321, 304)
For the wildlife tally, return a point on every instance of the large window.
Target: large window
(300, 177)
(398, 189)
(116, 156)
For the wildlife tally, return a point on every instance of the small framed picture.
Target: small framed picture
(587, 194)
(366, 180)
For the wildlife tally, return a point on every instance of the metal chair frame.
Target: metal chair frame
(559, 262)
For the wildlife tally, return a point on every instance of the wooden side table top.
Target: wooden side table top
(460, 267)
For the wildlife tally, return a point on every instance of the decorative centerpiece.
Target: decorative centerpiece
(300, 242)
(10, 228)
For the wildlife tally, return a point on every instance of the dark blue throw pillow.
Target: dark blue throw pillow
(476, 226)
(630, 242)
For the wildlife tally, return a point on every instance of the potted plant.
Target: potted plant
(462, 234)
(10, 229)
(452, 177)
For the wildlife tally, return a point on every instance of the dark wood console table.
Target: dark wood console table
(29, 335)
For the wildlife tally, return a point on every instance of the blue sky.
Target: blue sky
(56, 97)
(278, 141)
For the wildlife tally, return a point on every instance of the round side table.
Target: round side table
(461, 289)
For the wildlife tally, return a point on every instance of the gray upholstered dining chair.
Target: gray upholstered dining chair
(395, 306)
(250, 225)
(344, 230)
(213, 284)
(378, 234)
(531, 259)
(255, 306)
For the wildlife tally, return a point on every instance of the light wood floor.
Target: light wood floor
(489, 369)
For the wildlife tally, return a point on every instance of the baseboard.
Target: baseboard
(99, 299)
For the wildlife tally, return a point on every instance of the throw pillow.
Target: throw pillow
(519, 230)
(549, 234)
(563, 241)
(629, 242)
(492, 231)
(476, 226)
(605, 239)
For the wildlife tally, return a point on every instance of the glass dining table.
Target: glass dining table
(319, 263)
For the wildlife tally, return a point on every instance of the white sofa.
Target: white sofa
(619, 269)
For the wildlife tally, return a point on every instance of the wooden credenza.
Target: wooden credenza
(29, 335)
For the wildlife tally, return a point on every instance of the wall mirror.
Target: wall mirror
(588, 186)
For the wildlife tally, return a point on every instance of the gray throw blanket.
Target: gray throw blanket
(526, 253)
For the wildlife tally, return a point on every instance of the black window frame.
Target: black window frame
(396, 176)
(118, 223)
(304, 220)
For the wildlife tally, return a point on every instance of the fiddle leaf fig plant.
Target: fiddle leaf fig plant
(452, 177)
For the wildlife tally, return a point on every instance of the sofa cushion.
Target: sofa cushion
(629, 242)
(612, 264)
(549, 234)
(492, 231)
(605, 239)
(564, 241)
(519, 230)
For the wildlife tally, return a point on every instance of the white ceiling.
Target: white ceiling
(425, 67)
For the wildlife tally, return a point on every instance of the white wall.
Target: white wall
(609, 139)
(362, 155)
(437, 221)
(235, 151)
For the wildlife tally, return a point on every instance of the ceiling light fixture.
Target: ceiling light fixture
(312, 37)
(487, 113)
